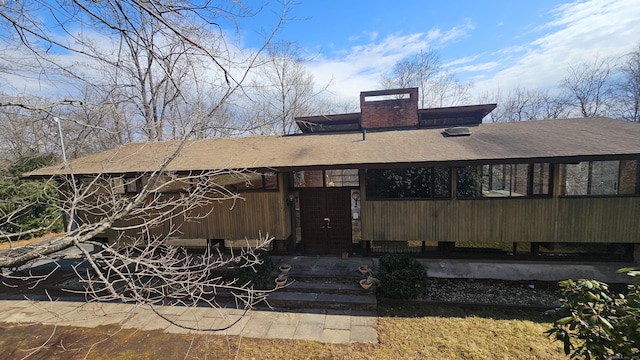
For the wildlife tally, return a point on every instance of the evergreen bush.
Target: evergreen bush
(28, 205)
(401, 276)
(259, 275)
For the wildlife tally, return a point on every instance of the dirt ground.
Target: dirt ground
(104, 342)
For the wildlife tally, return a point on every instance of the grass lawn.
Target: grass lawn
(406, 331)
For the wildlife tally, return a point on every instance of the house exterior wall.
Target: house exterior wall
(259, 213)
(256, 213)
(483, 220)
(595, 220)
(599, 219)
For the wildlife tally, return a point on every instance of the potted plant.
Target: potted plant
(284, 268)
(281, 280)
(368, 282)
(364, 269)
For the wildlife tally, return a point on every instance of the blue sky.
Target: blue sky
(494, 44)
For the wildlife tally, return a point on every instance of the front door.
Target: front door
(325, 216)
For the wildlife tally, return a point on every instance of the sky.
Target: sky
(494, 44)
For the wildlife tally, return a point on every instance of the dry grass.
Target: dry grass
(406, 332)
(454, 333)
(18, 243)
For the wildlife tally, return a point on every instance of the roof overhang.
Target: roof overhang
(566, 140)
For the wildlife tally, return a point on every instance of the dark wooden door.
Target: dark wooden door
(325, 217)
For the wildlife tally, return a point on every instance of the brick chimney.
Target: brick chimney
(396, 108)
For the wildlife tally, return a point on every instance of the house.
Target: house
(394, 177)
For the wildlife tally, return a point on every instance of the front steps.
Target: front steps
(323, 283)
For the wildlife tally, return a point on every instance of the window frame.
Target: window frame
(531, 176)
(589, 185)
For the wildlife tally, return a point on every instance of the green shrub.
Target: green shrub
(593, 323)
(28, 205)
(402, 277)
(258, 275)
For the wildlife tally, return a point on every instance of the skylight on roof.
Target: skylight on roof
(457, 131)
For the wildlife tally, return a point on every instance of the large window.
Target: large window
(328, 178)
(341, 177)
(503, 180)
(616, 177)
(423, 183)
(255, 182)
(240, 182)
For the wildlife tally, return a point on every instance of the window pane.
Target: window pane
(469, 182)
(117, 185)
(541, 179)
(244, 182)
(167, 184)
(629, 177)
(304, 179)
(131, 185)
(576, 178)
(596, 178)
(505, 180)
(270, 181)
(604, 177)
(492, 179)
(342, 177)
(422, 183)
(519, 179)
(441, 182)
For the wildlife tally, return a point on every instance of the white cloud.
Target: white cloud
(462, 61)
(574, 32)
(486, 66)
(578, 32)
(360, 67)
(455, 33)
(373, 35)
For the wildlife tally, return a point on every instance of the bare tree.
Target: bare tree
(283, 90)
(589, 87)
(155, 66)
(437, 87)
(148, 75)
(628, 88)
(521, 104)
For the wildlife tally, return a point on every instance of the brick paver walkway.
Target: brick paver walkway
(331, 326)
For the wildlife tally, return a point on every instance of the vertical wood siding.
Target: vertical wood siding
(259, 213)
(507, 220)
(614, 219)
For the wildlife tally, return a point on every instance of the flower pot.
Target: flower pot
(366, 283)
(364, 269)
(284, 268)
(281, 280)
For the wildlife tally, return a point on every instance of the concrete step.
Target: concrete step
(312, 300)
(345, 277)
(346, 287)
(323, 283)
(346, 294)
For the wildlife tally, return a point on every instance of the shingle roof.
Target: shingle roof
(556, 140)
